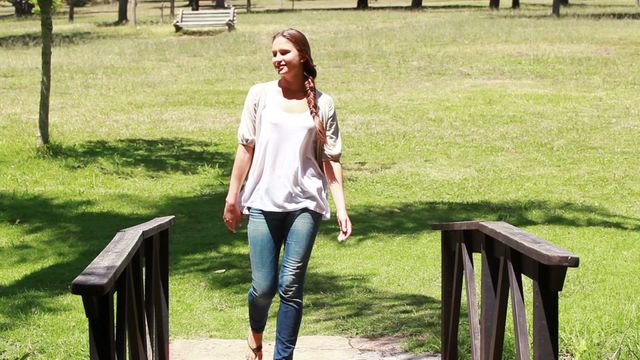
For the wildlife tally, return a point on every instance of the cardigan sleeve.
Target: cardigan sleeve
(333, 147)
(247, 129)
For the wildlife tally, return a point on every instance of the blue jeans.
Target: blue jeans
(268, 232)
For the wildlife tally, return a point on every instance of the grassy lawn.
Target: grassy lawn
(451, 113)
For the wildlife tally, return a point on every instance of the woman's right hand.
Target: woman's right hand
(232, 216)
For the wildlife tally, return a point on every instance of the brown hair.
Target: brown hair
(301, 44)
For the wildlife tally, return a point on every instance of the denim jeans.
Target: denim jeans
(268, 233)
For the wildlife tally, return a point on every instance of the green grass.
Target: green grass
(447, 114)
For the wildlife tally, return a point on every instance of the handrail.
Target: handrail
(507, 253)
(135, 266)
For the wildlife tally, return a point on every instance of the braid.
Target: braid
(312, 102)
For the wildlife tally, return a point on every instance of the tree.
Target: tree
(362, 4)
(122, 12)
(46, 26)
(416, 4)
(73, 4)
(22, 7)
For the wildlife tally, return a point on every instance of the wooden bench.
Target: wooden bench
(206, 18)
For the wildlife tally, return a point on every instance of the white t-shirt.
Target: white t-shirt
(284, 174)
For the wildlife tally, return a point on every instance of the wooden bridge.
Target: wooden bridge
(134, 268)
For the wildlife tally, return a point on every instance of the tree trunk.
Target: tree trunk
(195, 5)
(22, 7)
(219, 4)
(515, 4)
(46, 26)
(172, 8)
(362, 4)
(122, 11)
(71, 12)
(416, 4)
(249, 6)
(564, 2)
(134, 7)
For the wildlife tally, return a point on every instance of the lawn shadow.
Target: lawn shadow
(413, 218)
(76, 232)
(75, 236)
(354, 308)
(164, 155)
(34, 39)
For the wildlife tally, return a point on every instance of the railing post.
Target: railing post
(507, 254)
(493, 300)
(99, 311)
(451, 288)
(142, 299)
(545, 314)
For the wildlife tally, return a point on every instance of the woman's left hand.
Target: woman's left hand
(345, 225)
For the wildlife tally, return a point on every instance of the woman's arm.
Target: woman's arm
(232, 216)
(333, 172)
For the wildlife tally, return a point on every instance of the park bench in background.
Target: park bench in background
(507, 253)
(206, 18)
(142, 314)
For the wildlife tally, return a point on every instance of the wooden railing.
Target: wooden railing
(142, 314)
(506, 253)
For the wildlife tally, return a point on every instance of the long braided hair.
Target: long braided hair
(301, 44)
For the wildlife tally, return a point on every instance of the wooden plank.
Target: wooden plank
(472, 300)
(488, 292)
(447, 263)
(529, 244)
(545, 319)
(450, 346)
(518, 310)
(100, 276)
(153, 226)
(99, 310)
(499, 313)
(526, 243)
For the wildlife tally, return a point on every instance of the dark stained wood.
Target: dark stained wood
(142, 298)
(99, 310)
(488, 294)
(499, 312)
(472, 301)
(121, 318)
(104, 270)
(160, 307)
(518, 309)
(447, 264)
(545, 319)
(507, 254)
(454, 295)
(138, 298)
(526, 243)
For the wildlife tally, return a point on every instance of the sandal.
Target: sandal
(257, 352)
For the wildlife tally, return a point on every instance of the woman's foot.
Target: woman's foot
(254, 341)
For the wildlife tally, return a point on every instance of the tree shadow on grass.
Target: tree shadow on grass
(164, 155)
(201, 244)
(34, 39)
(413, 218)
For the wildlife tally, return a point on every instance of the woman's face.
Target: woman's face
(286, 58)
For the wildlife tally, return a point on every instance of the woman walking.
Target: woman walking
(289, 152)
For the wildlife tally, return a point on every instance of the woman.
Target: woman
(290, 146)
